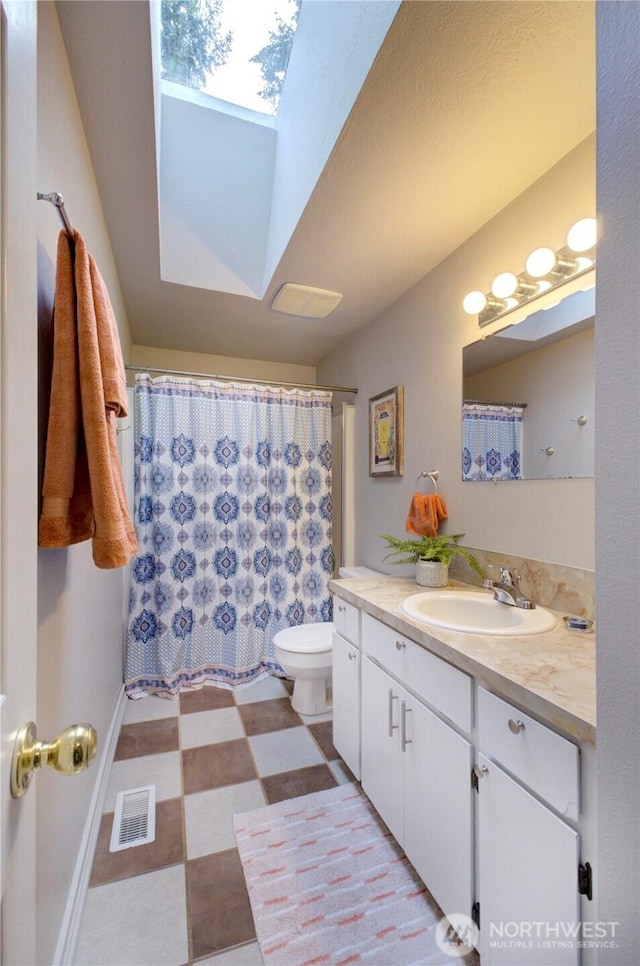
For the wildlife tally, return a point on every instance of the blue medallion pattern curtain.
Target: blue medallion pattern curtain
(233, 518)
(491, 442)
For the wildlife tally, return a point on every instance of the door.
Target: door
(382, 760)
(528, 877)
(439, 808)
(18, 463)
(346, 702)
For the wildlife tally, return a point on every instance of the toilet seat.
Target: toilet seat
(305, 638)
(305, 653)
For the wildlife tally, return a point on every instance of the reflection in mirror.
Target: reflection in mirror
(531, 386)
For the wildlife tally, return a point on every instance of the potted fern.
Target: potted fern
(431, 555)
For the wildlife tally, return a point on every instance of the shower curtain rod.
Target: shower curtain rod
(56, 199)
(261, 382)
(493, 402)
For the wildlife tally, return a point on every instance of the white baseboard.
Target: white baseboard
(70, 927)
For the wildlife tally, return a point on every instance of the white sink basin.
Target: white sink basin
(475, 613)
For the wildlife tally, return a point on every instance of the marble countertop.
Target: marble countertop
(550, 675)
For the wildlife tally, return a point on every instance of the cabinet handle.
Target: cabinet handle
(392, 697)
(515, 727)
(404, 710)
(400, 645)
(341, 608)
(352, 656)
(480, 771)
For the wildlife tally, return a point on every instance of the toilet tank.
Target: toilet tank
(358, 572)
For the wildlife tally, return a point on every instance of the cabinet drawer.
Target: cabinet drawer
(346, 620)
(542, 759)
(385, 645)
(439, 684)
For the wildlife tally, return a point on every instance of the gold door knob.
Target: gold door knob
(69, 753)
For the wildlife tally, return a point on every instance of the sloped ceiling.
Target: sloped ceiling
(466, 105)
(233, 183)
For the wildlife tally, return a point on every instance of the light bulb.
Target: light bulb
(540, 262)
(474, 303)
(504, 285)
(582, 235)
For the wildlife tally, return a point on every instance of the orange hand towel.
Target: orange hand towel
(425, 513)
(83, 475)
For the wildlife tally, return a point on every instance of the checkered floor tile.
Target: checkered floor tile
(210, 753)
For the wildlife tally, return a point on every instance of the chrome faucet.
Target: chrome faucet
(507, 591)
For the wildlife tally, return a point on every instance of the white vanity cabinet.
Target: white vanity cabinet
(528, 854)
(513, 848)
(416, 767)
(346, 683)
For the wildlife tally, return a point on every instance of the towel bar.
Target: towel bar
(430, 474)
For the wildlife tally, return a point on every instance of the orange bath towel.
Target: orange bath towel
(425, 513)
(83, 491)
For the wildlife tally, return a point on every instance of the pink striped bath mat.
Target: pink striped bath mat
(328, 884)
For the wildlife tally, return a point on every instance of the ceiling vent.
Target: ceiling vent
(305, 301)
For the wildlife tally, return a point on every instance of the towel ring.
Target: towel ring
(431, 475)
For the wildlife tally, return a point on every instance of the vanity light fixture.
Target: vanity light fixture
(545, 269)
(540, 262)
(507, 285)
(582, 236)
(477, 302)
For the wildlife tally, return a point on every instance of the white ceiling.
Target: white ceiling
(466, 105)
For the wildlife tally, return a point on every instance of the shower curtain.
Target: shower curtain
(233, 518)
(491, 442)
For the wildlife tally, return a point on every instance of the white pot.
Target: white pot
(432, 573)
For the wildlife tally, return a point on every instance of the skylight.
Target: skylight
(233, 183)
(235, 50)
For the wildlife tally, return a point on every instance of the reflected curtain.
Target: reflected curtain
(233, 518)
(491, 442)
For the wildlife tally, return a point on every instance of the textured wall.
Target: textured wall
(417, 342)
(618, 493)
(144, 355)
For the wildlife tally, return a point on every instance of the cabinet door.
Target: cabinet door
(382, 760)
(346, 702)
(528, 877)
(439, 807)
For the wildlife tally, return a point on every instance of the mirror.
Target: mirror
(546, 364)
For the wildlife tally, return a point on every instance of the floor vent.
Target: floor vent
(134, 821)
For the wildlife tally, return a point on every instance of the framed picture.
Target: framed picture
(386, 449)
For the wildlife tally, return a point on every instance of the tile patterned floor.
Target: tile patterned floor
(182, 898)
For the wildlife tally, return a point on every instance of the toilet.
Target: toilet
(305, 653)
(358, 572)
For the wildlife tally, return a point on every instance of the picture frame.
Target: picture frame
(386, 433)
